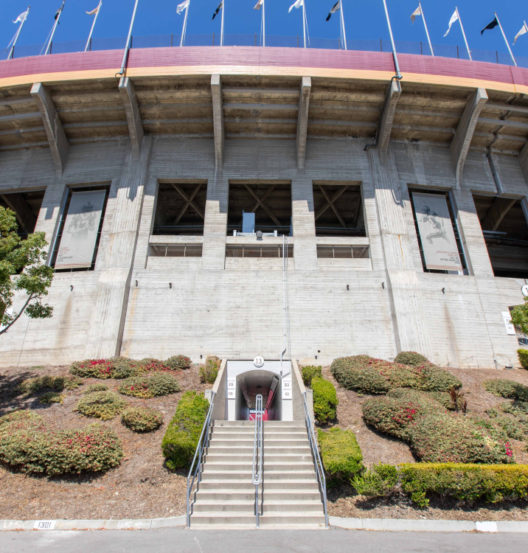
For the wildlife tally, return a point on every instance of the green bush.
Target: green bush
(146, 387)
(341, 455)
(26, 445)
(48, 398)
(380, 481)
(466, 483)
(182, 435)
(523, 357)
(117, 367)
(99, 387)
(509, 425)
(47, 384)
(309, 372)
(324, 400)
(451, 438)
(355, 373)
(507, 388)
(178, 362)
(209, 371)
(395, 414)
(150, 365)
(141, 419)
(411, 358)
(376, 376)
(102, 405)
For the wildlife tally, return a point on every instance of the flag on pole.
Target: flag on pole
(218, 8)
(182, 6)
(454, 19)
(297, 4)
(258, 5)
(95, 11)
(523, 30)
(417, 12)
(22, 17)
(334, 8)
(491, 25)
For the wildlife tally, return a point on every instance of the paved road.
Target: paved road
(263, 541)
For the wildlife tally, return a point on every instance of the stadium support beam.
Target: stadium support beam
(130, 103)
(497, 212)
(57, 140)
(302, 120)
(387, 117)
(523, 158)
(218, 119)
(466, 129)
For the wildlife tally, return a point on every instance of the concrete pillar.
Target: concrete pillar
(303, 220)
(215, 225)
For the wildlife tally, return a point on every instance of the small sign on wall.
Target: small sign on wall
(510, 329)
(231, 388)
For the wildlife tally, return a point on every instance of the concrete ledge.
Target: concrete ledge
(370, 524)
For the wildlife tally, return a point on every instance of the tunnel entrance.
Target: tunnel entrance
(258, 382)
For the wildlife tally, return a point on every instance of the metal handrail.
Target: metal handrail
(319, 468)
(258, 451)
(195, 472)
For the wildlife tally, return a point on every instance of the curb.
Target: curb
(369, 524)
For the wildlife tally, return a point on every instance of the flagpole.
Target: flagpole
(93, 25)
(55, 25)
(184, 28)
(129, 40)
(342, 18)
(426, 29)
(394, 54)
(304, 22)
(12, 51)
(263, 22)
(222, 24)
(506, 40)
(464, 34)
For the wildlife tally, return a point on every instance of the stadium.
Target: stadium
(271, 201)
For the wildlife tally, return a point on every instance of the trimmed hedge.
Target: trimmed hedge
(26, 445)
(142, 419)
(523, 357)
(468, 483)
(341, 455)
(311, 371)
(102, 405)
(146, 387)
(380, 481)
(182, 435)
(442, 437)
(178, 362)
(411, 358)
(375, 376)
(507, 388)
(324, 400)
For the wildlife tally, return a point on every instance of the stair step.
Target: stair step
(269, 450)
(247, 458)
(229, 494)
(269, 477)
(270, 485)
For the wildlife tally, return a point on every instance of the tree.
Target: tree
(22, 269)
(520, 316)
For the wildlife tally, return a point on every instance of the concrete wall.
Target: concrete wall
(235, 310)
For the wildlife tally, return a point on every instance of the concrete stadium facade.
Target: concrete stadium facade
(268, 119)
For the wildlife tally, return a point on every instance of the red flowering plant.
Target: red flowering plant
(149, 386)
(114, 367)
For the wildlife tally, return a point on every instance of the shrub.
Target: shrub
(182, 435)
(39, 384)
(72, 382)
(394, 414)
(341, 455)
(209, 371)
(354, 373)
(380, 481)
(410, 358)
(507, 388)
(102, 405)
(466, 483)
(442, 437)
(118, 367)
(509, 425)
(150, 364)
(26, 445)
(146, 387)
(99, 387)
(324, 400)
(435, 379)
(51, 397)
(309, 372)
(142, 419)
(523, 357)
(178, 362)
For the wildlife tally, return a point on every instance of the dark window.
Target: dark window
(26, 206)
(180, 208)
(338, 210)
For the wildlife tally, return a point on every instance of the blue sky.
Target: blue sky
(364, 20)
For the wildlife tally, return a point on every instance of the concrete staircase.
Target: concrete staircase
(226, 495)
